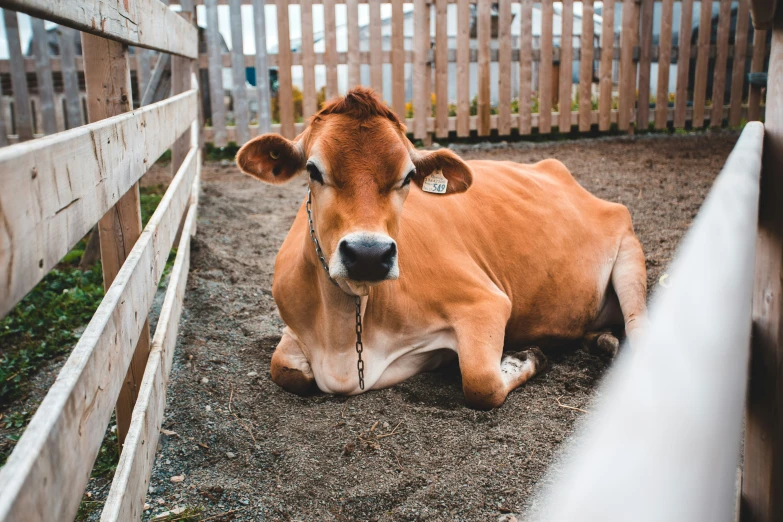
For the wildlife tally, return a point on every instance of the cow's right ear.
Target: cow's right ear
(271, 158)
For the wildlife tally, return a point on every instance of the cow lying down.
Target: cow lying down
(447, 257)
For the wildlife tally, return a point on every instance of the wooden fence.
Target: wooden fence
(470, 76)
(438, 48)
(54, 190)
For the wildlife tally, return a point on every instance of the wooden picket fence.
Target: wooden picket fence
(614, 68)
(54, 190)
(599, 102)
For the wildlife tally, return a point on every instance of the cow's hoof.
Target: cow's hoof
(538, 358)
(608, 344)
(293, 380)
(534, 355)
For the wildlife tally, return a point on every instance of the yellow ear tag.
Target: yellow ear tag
(435, 183)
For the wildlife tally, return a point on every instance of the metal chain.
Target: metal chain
(359, 345)
(318, 251)
(357, 299)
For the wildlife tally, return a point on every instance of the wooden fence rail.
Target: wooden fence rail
(55, 189)
(663, 438)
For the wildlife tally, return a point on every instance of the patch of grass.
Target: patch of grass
(43, 325)
(228, 152)
(149, 198)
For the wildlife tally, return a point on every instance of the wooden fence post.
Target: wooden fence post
(629, 36)
(262, 68)
(45, 82)
(484, 33)
(181, 71)
(23, 113)
(73, 104)
(421, 78)
(545, 67)
(238, 92)
(108, 83)
(566, 67)
(763, 466)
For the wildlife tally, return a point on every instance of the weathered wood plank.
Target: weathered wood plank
(376, 47)
(525, 65)
(441, 69)
(23, 112)
(354, 64)
(398, 58)
(3, 129)
(756, 65)
(763, 462)
(143, 23)
(545, 69)
(421, 79)
(629, 37)
(645, 59)
(566, 65)
(108, 85)
(159, 86)
(738, 65)
(125, 501)
(285, 92)
(719, 81)
(216, 92)
(664, 63)
(683, 63)
(63, 438)
(44, 73)
(463, 68)
(586, 66)
(702, 63)
(262, 68)
(238, 91)
(51, 208)
(330, 41)
(309, 104)
(144, 70)
(504, 67)
(492, 119)
(73, 103)
(605, 70)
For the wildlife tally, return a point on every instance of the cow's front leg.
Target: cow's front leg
(290, 368)
(488, 376)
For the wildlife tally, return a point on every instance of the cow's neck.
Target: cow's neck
(339, 308)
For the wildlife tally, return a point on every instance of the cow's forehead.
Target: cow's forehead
(346, 147)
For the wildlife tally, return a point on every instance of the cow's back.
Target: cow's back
(529, 230)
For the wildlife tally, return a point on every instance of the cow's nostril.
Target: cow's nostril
(348, 253)
(388, 256)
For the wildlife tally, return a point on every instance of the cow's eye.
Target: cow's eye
(315, 174)
(409, 177)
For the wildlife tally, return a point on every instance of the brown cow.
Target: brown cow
(495, 253)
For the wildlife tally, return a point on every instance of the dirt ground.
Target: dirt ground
(251, 451)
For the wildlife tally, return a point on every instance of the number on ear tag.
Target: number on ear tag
(435, 183)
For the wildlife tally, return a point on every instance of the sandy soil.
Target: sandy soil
(251, 451)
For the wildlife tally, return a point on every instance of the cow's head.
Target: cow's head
(360, 166)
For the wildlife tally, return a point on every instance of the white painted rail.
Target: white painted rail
(663, 440)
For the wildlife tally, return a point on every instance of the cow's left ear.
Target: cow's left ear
(445, 163)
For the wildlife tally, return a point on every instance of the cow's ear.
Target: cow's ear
(271, 158)
(443, 163)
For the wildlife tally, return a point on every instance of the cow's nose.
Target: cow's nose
(368, 259)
